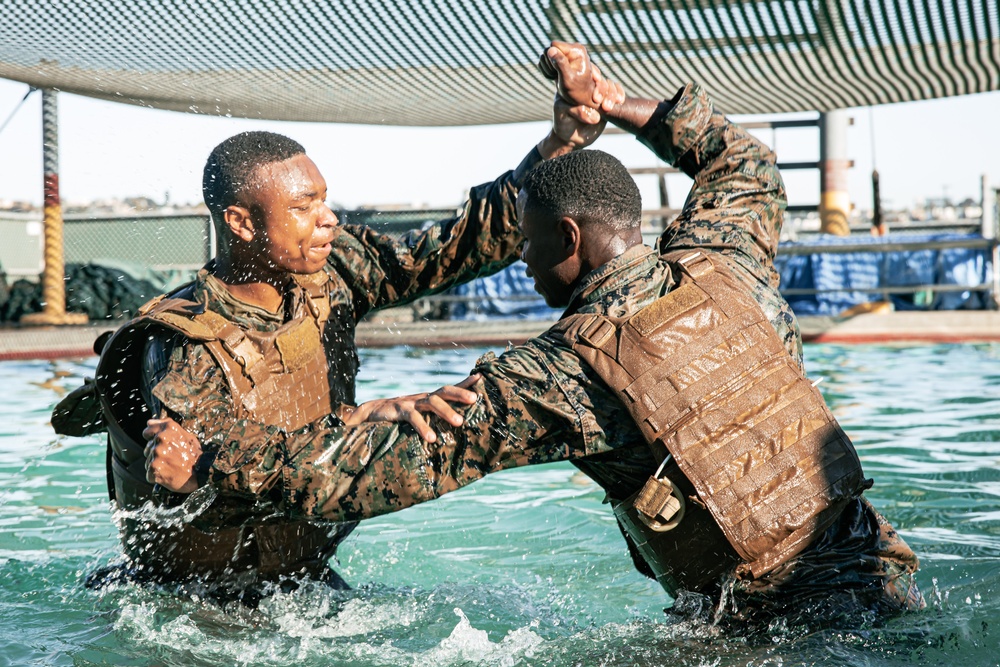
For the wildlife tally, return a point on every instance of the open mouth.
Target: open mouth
(322, 249)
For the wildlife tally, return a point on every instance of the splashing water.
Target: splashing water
(523, 568)
(194, 505)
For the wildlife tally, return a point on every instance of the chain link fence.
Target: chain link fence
(114, 264)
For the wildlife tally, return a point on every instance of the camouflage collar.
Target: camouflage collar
(602, 281)
(213, 292)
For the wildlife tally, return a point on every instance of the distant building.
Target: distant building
(14, 206)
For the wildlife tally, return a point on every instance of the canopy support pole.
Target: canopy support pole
(834, 202)
(53, 276)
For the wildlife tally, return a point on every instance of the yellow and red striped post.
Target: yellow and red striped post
(53, 278)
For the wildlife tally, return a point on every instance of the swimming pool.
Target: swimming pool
(523, 568)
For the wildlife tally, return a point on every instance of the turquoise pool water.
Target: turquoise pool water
(523, 568)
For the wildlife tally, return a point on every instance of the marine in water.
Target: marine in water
(261, 344)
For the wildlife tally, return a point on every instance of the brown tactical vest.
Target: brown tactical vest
(755, 465)
(277, 378)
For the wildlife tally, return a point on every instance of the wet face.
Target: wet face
(549, 254)
(293, 226)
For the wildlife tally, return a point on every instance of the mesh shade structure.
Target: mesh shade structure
(470, 62)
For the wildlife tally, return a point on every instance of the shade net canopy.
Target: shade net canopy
(467, 62)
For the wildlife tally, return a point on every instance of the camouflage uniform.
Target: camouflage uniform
(541, 403)
(365, 271)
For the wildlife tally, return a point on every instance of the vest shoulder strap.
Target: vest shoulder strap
(240, 360)
(179, 312)
(317, 285)
(595, 339)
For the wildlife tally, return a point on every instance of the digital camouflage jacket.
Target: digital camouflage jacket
(366, 271)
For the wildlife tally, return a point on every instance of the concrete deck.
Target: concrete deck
(939, 326)
(899, 327)
(48, 342)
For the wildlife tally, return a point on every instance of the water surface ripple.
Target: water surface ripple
(523, 568)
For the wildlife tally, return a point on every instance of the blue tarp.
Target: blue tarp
(847, 272)
(495, 298)
(843, 272)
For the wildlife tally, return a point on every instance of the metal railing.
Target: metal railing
(184, 241)
(990, 286)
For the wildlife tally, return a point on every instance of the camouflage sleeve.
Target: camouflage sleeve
(736, 205)
(537, 405)
(195, 393)
(737, 202)
(384, 271)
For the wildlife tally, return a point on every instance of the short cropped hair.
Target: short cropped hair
(589, 186)
(232, 163)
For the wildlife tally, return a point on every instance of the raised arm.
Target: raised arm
(737, 187)
(482, 239)
(737, 202)
(736, 180)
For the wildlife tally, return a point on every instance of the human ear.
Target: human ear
(570, 231)
(239, 223)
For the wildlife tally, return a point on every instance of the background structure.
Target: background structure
(460, 62)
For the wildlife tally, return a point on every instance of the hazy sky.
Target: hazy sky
(923, 149)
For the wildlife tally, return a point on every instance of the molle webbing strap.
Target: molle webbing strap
(706, 378)
(317, 285)
(281, 377)
(237, 345)
(293, 398)
(212, 330)
(236, 355)
(242, 349)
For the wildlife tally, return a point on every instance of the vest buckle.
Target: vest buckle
(597, 333)
(660, 504)
(696, 264)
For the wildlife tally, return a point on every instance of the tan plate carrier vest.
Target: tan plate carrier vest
(277, 378)
(755, 465)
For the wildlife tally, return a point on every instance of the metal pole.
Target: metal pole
(988, 228)
(878, 227)
(664, 198)
(53, 278)
(835, 203)
(996, 276)
(992, 224)
(988, 225)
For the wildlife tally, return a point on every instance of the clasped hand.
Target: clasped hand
(580, 82)
(583, 95)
